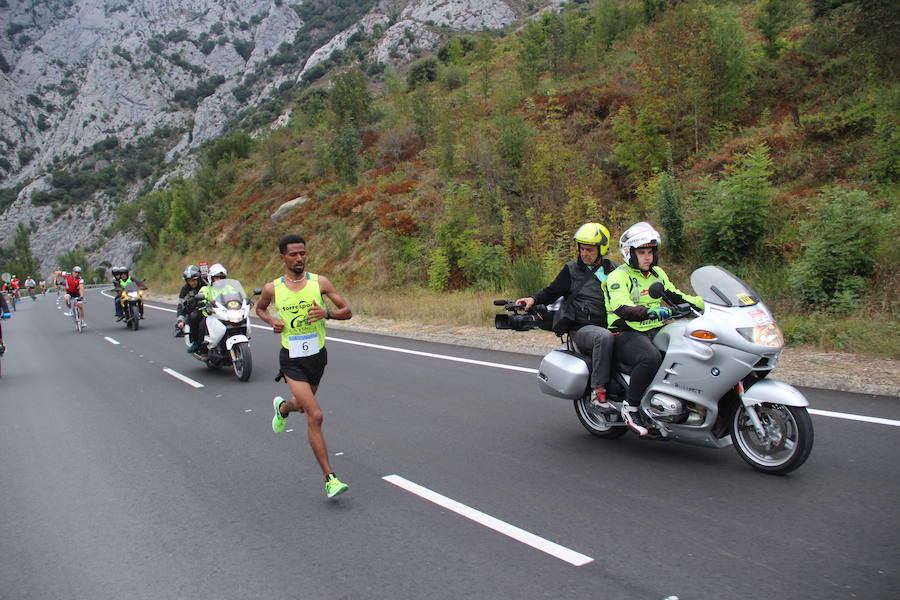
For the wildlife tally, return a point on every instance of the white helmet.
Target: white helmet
(637, 236)
(217, 269)
(76, 270)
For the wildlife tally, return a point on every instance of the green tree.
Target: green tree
(75, 257)
(532, 62)
(670, 208)
(182, 213)
(694, 68)
(640, 146)
(734, 220)
(24, 263)
(614, 20)
(345, 147)
(837, 255)
(350, 99)
(484, 52)
(774, 17)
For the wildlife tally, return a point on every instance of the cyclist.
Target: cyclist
(13, 289)
(5, 314)
(29, 286)
(43, 286)
(74, 291)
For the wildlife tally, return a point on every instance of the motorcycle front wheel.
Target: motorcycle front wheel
(595, 422)
(787, 439)
(241, 360)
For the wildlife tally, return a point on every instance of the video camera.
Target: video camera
(523, 320)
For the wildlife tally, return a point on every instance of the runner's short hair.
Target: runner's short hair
(291, 238)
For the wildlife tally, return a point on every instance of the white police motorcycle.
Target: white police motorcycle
(227, 335)
(711, 388)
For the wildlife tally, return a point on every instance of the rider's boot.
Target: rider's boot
(629, 420)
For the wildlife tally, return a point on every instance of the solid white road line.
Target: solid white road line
(822, 413)
(111, 341)
(539, 543)
(181, 377)
(837, 415)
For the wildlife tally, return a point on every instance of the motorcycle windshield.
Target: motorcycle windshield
(131, 287)
(718, 286)
(229, 293)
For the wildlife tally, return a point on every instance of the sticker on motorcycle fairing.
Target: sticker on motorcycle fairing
(745, 299)
(303, 345)
(760, 317)
(715, 372)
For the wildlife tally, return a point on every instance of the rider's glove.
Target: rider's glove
(660, 313)
(6, 316)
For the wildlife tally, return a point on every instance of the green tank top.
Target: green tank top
(292, 308)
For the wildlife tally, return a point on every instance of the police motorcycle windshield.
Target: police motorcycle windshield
(718, 286)
(229, 293)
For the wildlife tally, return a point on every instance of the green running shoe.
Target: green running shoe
(334, 486)
(278, 421)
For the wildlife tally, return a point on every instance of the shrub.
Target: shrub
(485, 265)
(423, 71)
(837, 252)
(527, 276)
(735, 211)
(438, 270)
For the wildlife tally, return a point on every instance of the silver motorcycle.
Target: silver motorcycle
(711, 388)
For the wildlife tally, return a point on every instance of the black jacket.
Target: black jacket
(589, 303)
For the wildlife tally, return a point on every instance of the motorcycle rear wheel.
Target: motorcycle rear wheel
(242, 361)
(596, 423)
(789, 437)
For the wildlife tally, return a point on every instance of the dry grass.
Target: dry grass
(469, 308)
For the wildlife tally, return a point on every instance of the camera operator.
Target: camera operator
(581, 283)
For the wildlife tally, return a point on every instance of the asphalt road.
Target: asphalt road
(119, 480)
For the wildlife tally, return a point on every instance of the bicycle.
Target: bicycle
(78, 314)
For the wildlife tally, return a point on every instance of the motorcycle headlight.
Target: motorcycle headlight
(235, 316)
(133, 295)
(765, 335)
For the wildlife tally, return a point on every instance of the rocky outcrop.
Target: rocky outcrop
(75, 72)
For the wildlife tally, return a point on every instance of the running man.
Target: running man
(299, 298)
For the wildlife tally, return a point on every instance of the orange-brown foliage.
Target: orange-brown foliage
(392, 189)
(394, 219)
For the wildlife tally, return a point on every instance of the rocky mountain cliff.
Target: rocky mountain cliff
(165, 76)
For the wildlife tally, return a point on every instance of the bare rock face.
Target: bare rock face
(76, 72)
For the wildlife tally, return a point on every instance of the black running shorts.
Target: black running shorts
(306, 368)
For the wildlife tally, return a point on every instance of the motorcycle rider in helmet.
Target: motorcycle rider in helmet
(123, 280)
(117, 289)
(581, 283)
(206, 296)
(188, 310)
(634, 317)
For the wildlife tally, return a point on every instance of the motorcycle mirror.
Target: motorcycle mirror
(501, 302)
(656, 290)
(257, 291)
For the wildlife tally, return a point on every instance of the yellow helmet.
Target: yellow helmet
(594, 234)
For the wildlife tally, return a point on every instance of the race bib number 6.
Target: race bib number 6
(303, 345)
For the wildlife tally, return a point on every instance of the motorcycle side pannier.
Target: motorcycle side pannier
(564, 374)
